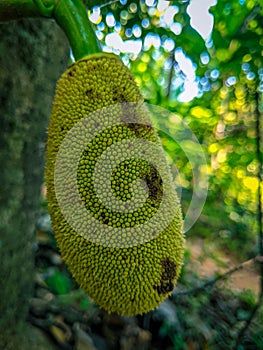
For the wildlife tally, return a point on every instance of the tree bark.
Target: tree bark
(33, 54)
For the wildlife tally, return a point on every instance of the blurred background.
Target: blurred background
(201, 61)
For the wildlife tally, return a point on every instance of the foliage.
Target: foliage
(228, 71)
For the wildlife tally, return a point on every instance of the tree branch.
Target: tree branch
(260, 225)
(213, 281)
(171, 73)
(253, 14)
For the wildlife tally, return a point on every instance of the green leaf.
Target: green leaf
(58, 282)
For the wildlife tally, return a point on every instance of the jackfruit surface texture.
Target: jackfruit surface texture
(135, 276)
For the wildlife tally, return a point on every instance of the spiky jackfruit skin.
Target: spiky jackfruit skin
(133, 279)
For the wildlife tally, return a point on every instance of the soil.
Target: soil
(207, 261)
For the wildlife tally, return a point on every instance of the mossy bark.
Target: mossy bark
(33, 54)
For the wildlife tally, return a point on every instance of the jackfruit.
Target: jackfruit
(127, 253)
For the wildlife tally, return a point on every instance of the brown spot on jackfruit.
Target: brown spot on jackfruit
(154, 183)
(169, 269)
(168, 276)
(89, 92)
(71, 72)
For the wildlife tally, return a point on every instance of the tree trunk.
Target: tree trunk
(33, 54)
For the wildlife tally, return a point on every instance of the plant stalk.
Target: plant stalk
(72, 17)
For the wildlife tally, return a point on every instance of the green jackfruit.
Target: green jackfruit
(127, 263)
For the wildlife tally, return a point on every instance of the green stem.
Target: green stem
(72, 17)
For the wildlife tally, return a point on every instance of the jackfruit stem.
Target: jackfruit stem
(72, 17)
